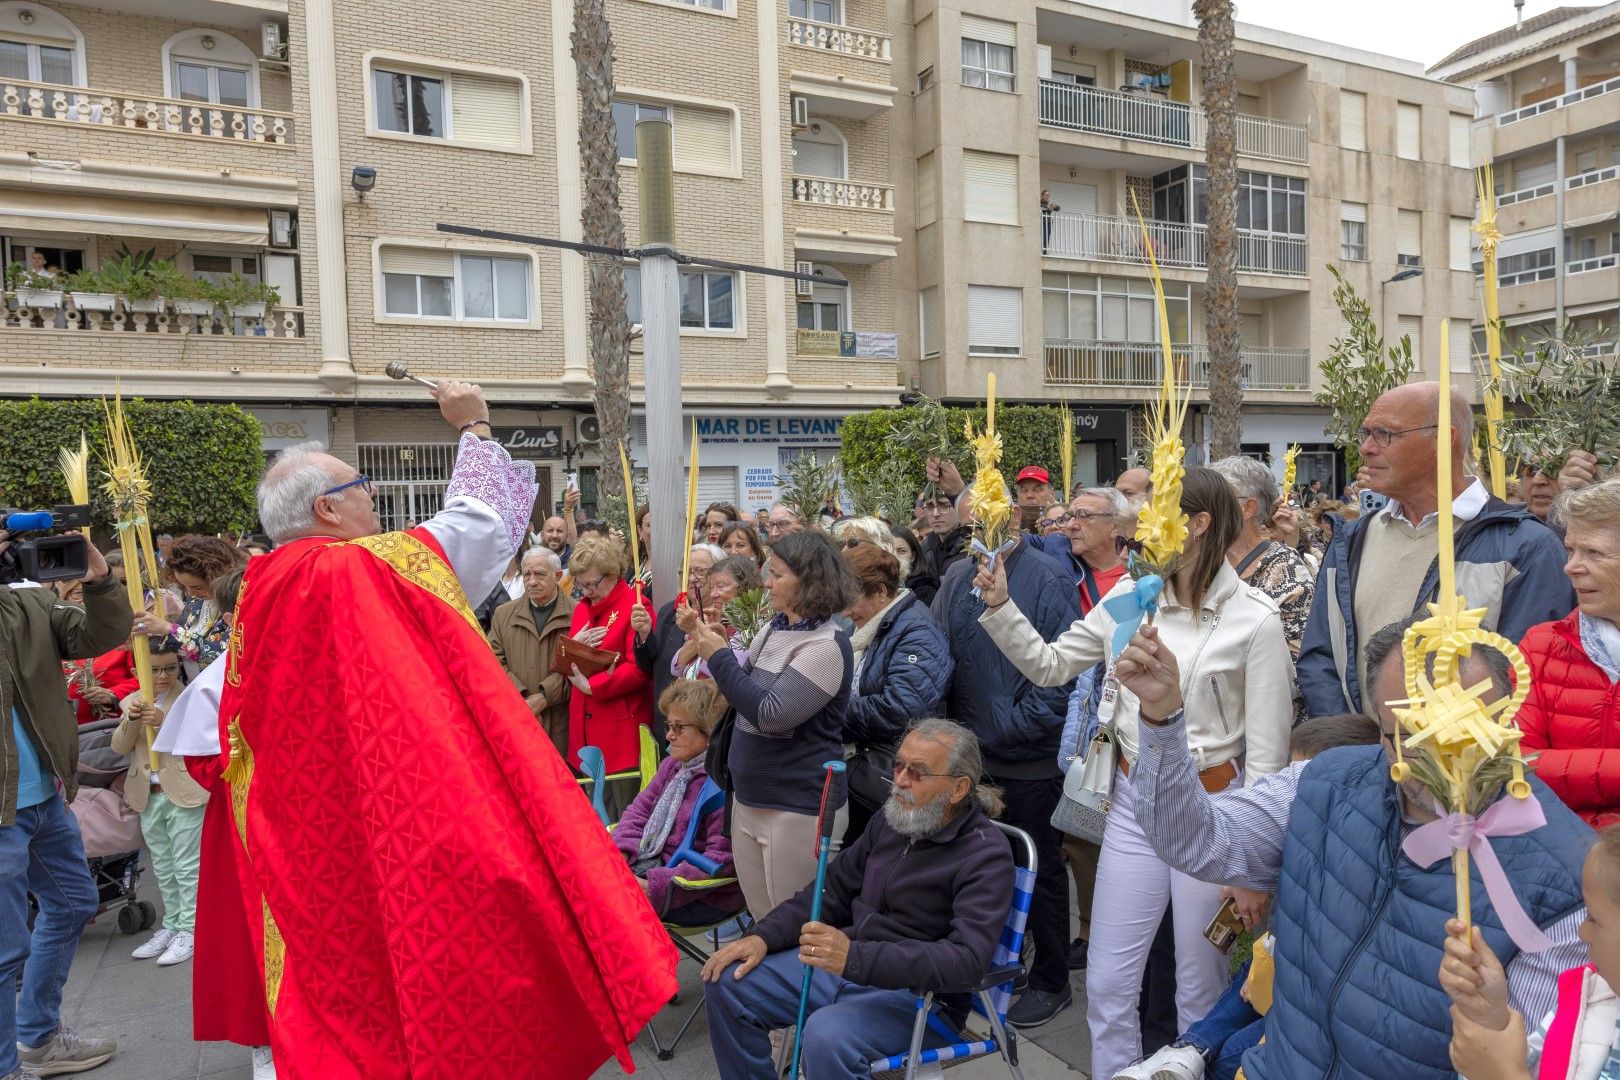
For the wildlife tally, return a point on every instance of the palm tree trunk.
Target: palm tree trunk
(603, 224)
(1221, 323)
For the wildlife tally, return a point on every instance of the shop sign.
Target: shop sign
(530, 443)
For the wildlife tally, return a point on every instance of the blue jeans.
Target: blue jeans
(40, 853)
(848, 1025)
(1230, 1029)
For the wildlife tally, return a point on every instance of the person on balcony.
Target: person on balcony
(1048, 208)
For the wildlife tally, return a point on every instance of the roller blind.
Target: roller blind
(994, 31)
(995, 316)
(430, 262)
(1353, 211)
(702, 139)
(1409, 233)
(1529, 176)
(928, 317)
(1352, 120)
(716, 483)
(989, 187)
(816, 158)
(1249, 330)
(927, 189)
(1461, 156)
(484, 109)
(1461, 256)
(927, 45)
(1462, 345)
(1408, 131)
(1411, 326)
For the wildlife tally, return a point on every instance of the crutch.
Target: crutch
(824, 828)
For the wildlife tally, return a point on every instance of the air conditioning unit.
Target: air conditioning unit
(589, 429)
(802, 287)
(801, 111)
(271, 45)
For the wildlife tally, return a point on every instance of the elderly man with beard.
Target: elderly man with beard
(917, 903)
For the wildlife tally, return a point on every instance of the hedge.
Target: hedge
(1030, 435)
(203, 461)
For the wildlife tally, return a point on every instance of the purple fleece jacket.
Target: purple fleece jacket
(711, 842)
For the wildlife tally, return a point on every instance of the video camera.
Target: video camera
(64, 557)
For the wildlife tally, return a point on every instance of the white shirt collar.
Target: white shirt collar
(1465, 507)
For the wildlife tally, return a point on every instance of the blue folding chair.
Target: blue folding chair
(594, 766)
(992, 995)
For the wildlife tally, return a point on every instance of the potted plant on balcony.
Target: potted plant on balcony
(33, 289)
(189, 295)
(90, 291)
(244, 299)
(139, 279)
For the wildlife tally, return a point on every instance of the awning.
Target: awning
(40, 211)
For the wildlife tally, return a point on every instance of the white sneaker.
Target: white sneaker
(179, 950)
(1171, 1063)
(264, 1068)
(154, 945)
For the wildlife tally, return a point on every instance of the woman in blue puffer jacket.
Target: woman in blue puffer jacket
(902, 665)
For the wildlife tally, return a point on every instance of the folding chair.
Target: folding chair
(991, 995)
(594, 766)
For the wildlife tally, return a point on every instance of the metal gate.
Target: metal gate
(409, 478)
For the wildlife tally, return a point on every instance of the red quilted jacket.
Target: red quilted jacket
(1571, 720)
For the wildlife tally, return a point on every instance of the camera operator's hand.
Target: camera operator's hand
(98, 565)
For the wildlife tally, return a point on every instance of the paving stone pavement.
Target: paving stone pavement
(148, 1010)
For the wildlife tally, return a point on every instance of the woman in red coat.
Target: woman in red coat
(1571, 720)
(607, 709)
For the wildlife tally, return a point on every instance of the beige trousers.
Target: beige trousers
(1082, 856)
(775, 853)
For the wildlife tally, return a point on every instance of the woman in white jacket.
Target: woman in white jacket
(1237, 684)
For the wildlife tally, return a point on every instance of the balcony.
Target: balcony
(50, 103)
(1573, 183)
(1586, 266)
(828, 191)
(1071, 362)
(1586, 93)
(1159, 120)
(832, 37)
(1115, 239)
(59, 312)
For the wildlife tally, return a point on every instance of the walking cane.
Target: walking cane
(824, 828)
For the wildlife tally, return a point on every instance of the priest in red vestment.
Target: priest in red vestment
(423, 889)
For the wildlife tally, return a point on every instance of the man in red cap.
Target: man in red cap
(1034, 489)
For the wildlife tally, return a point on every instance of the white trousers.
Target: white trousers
(1133, 886)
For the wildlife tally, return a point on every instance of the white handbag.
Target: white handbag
(1088, 786)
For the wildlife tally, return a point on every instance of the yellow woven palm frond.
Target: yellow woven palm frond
(1290, 469)
(126, 484)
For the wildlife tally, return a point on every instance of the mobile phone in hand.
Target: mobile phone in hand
(1223, 930)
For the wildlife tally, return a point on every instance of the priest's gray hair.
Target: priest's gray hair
(288, 492)
(966, 759)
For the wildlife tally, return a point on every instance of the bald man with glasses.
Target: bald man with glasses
(1383, 567)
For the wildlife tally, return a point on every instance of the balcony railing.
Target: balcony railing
(1113, 239)
(1600, 262)
(839, 39)
(1540, 191)
(33, 311)
(826, 191)
(142, 112)
(1156, 119)
(1608, 86)
(1076, 362)
(1580, 180)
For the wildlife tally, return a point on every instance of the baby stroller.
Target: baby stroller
(111, 830)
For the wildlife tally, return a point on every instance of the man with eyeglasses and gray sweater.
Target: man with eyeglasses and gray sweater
(1383, 567)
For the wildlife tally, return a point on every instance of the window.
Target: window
(1265, 203)
(36, 63)
(428, 283)
(989, 187)
(1461, 243)
(216, 268)
(712, 5)
(412, 104)
(1461, 139)
(1525, 267)
(927, 52)
(987, 53)
(702, 136)
(995, 318)
(928, 319)
(820, 150)
(827, 11)
(1408, 131)
(827, 308)
(210, 82)
(1409, 237)
(1353, 232)
(1585, 160)
(1461, 345)
(1411, 326)
(927, 189)
(1089, 307)
(632, 294)
(625, 116)
(1352, 120)
(706, 300)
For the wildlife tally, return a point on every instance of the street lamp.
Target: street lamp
(1383, 303)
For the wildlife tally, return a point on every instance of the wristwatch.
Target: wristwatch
(1166, 722)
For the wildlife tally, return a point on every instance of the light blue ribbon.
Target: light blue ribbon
(978, 548)
(1128, 609)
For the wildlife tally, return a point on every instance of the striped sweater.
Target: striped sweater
(790, 704)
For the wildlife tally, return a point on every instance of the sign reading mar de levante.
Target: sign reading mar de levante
(533, 443)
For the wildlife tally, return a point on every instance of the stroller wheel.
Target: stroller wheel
(148, 914)
(129, 919)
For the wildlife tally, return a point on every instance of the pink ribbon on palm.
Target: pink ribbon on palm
(1508, 816)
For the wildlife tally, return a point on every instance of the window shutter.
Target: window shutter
(928, 316)
(1409, 233)
(1353, 211)
(1411, 325)
(1529, 176)
(927, 45)
(1249, 330)
(1461, 256)
(812, 157)
(927, 189)
(1352, 120)
(995, 318)
(994, 31)
(486, 110)
(1409, 131)
(716, 483)
(1462, 345)
(1461, 140)
(429, 262)
(702, 139)
(989, 187)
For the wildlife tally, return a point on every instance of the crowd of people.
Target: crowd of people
(1248, 729)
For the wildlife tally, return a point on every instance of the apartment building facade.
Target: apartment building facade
(1344, 158)
(1547, 99)
(233, 137)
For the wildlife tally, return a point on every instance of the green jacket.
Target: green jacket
(38, 632)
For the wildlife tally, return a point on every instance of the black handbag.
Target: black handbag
(717, 758)
(871, 776)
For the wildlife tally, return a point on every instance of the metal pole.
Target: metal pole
(661, 349)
